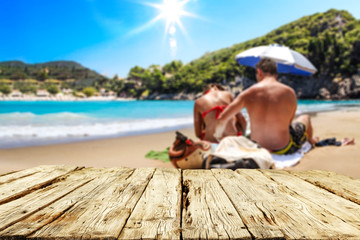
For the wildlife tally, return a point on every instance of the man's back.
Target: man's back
(271, 107)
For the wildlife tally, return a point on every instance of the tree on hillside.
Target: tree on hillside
(157, 81)
(42, 75)
(5, 89)
(129, 87)
(136, 72)
(116, 85)
(89, 91)
(102, 82)
(67, 84)
(25, 87)
(53, 89)
(18, 75)
(173, 66)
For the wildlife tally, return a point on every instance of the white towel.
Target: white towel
(283, 161)
(234, 148)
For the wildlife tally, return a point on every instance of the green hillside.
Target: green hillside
(60, 70)
(330, 40)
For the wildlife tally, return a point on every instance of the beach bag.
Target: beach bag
(187, 154)
(239, 152)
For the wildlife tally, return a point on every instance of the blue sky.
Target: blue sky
(111, 36)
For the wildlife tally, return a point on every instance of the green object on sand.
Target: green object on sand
(159, 155)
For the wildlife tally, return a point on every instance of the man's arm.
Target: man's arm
(198, 121)
(241, 122)
(229, 112)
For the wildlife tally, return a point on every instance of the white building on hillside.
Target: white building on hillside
(42, 93)
(67, 91)
(15, 93)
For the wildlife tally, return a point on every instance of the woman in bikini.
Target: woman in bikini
(208, 108)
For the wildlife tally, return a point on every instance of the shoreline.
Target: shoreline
(35, 134)
(110, 98)
(86, 138)
(64, 98)
(49, 142)
(34, 141)
(130, 151)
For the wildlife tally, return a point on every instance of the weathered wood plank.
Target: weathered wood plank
(146, 203)
(14, 211)
(157, 214)
(100, 179)
(248, 199)
(344, 209)
(207, 211)
(341, 185)
(7, 173)
(12, 176)
(100, 216)
(297, 217)
(26, 185)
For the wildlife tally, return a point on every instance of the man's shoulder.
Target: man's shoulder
(282, 86)
(269, 88)
(287, 88)
(259, 86)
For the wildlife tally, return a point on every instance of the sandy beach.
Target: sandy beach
(130, 151)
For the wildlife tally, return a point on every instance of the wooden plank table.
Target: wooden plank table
(63, 202)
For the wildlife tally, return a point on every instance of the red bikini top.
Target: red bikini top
(218, 109)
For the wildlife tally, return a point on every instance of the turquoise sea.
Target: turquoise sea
(29, 123)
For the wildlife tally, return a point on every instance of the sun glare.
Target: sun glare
(171, 11)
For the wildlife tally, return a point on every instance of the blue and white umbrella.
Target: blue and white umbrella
(288, 61)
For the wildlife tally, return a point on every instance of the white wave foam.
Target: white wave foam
(316, 108)
(27, 118)
(33, 133)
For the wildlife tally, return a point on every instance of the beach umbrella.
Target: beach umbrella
(287, 60)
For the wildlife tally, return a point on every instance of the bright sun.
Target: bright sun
(171, 11)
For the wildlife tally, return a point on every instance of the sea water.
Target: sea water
(29, 123)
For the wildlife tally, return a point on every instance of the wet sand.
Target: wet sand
(130, 151)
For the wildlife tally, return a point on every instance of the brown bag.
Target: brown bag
(187, 154)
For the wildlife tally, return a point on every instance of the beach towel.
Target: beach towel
(159, 155)
(289, 160)
(239, 152)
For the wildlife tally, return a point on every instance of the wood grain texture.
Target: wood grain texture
(57, 202)
(93, 179)
(248, 197)
(297, 217)
(21, 208)
(158, 212)
(310, 194)
(12, 176)
(25, 185)
(207, 211)
(7, 173)
(103, 213)
(341, 185)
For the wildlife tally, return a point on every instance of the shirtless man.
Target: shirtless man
(271, 106)
(208, 107)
